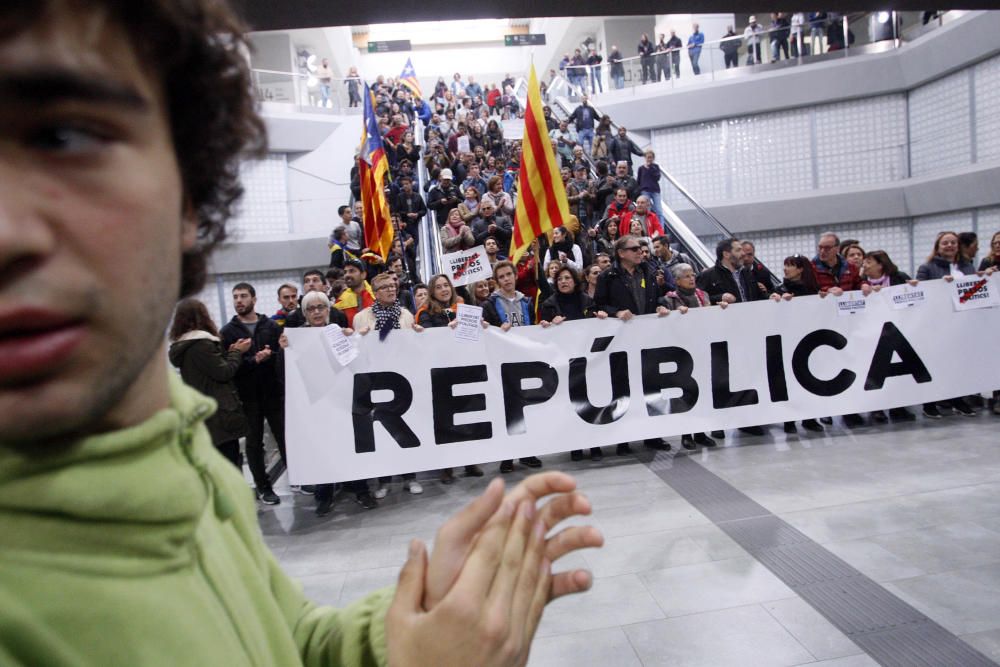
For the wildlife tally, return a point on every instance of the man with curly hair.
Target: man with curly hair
(126, 538)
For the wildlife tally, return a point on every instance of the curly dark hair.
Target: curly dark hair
(191, 315)
(197, 49)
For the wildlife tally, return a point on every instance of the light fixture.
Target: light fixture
(883, 17)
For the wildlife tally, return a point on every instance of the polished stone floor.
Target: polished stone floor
(916, 507)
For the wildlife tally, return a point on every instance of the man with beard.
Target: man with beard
(260, 388)
(358, 295)
(624, 179)
(313, 280)
(288, 298)
(621, 149)
(443, 197)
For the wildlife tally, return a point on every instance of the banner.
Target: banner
(421, 401)
(467, 266)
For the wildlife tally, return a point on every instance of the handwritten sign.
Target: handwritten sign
(469, 325)
(972, 292)
(343, 349)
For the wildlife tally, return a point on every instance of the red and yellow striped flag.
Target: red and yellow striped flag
(373, 168)
(541, 196)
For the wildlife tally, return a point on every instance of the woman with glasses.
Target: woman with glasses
(992, 260)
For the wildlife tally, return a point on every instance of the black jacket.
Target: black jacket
(297, 319)
(718, 280)
(761, 274)
(441, 200)
(551, 308)
(206, 367)
(613, 293)
(255, 382)
(622, 149)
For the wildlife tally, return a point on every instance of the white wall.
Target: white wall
(319, 181)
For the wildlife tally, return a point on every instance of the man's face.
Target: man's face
(604, 261)
(288, 298)
(358, 210)
(396, 267)
(243, 302)
(491, 246)
(827, 249)
(345, 216)
(645, 252)
(737, 254)
(92, 229)
(621, 197)
(641, 206)
(506, 279)
(661, 248)
(621, 170)
(563, 126)
(352, 277)
(486, 210)
(313, 283)
(622, 132)
(747, 254)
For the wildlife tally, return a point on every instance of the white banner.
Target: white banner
(467, 266)
(421, 401)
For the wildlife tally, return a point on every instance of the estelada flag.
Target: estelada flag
(409, 78)
(373, 167)
(541, 197)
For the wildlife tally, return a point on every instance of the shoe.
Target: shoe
(963, 409)
(753, 430)
(704, 440)
(901, 415)
(623, 449)
(413, 486)
(507, 466)
(931, 411)
(718, 434)
(812, 425)
(324, 506)
(576, 455)
(687, 442)
(826, 420)
(268, 496)
(531, 462)
(596, 454)
(790, 427)
(657, 443)
(853, 420)
(447, 476)
(945, 408)
(879, 417)
(366, 500)
(975, 401)
(381, 492)
(305, 489)
(473, 471)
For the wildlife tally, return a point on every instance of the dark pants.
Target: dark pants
(357, 487)
(273, 411)
(647, 69)
(662, 69)
(231, 450)
(732, 60)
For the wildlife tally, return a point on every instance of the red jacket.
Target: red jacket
(651, 222)
(845, 275)
(492, 97)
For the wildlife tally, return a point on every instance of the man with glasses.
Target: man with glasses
(629, 288)
(834, 273)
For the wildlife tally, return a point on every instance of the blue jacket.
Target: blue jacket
(695, 41)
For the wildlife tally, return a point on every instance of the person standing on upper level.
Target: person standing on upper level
(695, 41)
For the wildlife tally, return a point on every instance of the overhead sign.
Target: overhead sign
(419, 401)
(390, 45)
(524, 40)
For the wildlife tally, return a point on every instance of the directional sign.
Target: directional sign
(391, 45)
(524, 40)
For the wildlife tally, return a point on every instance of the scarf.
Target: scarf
(472, 205)
(879, 282)
(565, 246)
(690, 298)
(386, 318)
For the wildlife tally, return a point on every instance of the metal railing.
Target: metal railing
(306, 91)
(428, 233)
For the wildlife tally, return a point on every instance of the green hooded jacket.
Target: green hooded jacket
(141, 547)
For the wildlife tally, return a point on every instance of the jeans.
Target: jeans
(695, 54)
(324, 91)
(619, 80)
(595, 80)
(675, 58)
(662, 69)
(779, 45)
(647, 69)
(654, 198)
(586, 140)
(752, 51)
(273, 410)
(732, 59)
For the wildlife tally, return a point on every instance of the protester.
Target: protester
(196, 350)
(456, 234)
(758, 272)
(564, 250)
(992, 260)
(626, 290)
(854, 254)
(648, 176)
(834, 274)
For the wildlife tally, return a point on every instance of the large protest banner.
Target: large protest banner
(420, 401)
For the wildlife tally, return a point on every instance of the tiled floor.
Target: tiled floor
(915, 507)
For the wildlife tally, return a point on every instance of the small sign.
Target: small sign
(470, 320)
(343, 349)
(390, 45)
(524, 40)
(972, 292)
(905, 296)
(851, 303)
(467, 266)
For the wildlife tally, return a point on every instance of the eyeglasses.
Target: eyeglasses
(317, 308)
(826, 247)
(386, 288)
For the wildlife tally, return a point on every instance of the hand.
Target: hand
(836, 291)
(684, 310)
(263, 355)
(866, 289)
(364, 330)
(505, 326)
(775, 297)
(661, 311)
(625, 315)
(456, 538)
(484, 324)
(728, 298)
(241, 346)
(601, 315)
(490, 615)
(912, 283)
(418, 328)
(558, 319)
(761, 287)
(545, 324)
(987, 272)
(452, 324)
(562, 256)
(723, 305)
(949, 278)
(787, 297)
(282, 341)
(660, 280)
(348, 331)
